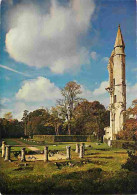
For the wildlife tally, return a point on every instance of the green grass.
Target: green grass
(11, 142)
(98, 172)
(62, 146)
(29, 142)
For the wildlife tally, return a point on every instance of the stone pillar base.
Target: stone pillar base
(7, 160)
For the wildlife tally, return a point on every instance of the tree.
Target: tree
(129, 131)
(25, 121)
(134, 102)
(70, 100)
(11, 128)
(36, 123)
(8, 115)
(55, 121)
(90, 118)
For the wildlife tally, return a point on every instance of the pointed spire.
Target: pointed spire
(119, 39)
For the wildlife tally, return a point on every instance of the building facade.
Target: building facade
(116, 88)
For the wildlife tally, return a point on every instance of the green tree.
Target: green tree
(11, 128)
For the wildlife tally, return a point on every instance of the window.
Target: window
(115, 98)
(113, 81)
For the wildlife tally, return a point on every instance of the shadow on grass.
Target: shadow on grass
(120, 152)
(102, 149)
(58, 184)
(106, 157)
(23, 168)
(93, 153)
(92, 181)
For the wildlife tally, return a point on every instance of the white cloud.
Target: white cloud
(94, 55)
(99, 94)
(50, 40)
(19, 108)
(33, 94)
(101, 90)
(105, 59)
(86, 93)
(38, 90)
(4, 100)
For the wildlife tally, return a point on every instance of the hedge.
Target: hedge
(121, 143)
(48, 138)
(65, 138)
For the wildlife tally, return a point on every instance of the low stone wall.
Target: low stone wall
(65, 138)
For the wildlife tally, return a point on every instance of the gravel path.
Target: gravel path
(29, 147)
(41, 157)
(33, 148)
(20, 142)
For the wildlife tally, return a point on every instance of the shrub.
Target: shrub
(131, 163)
(130, 130)
(121, 143)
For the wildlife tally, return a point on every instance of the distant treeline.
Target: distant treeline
(11, 128)
(88, 118)
(72, 115)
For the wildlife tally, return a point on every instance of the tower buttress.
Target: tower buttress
(117, 87)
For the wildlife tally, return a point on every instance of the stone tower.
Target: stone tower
(117, 88)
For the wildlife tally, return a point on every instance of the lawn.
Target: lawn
(11, 142)
(99, 172)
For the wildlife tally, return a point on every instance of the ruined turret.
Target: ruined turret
(117, 87)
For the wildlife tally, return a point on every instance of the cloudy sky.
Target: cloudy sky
(45, 44)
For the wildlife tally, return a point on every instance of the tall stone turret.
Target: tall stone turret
(116, 88)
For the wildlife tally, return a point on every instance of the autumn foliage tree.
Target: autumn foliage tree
(130, 126)
(36, 122)
(90, 118)
(130, 130)
(72, 115)
(8, 115)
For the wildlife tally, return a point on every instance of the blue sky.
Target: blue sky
(45, 44)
